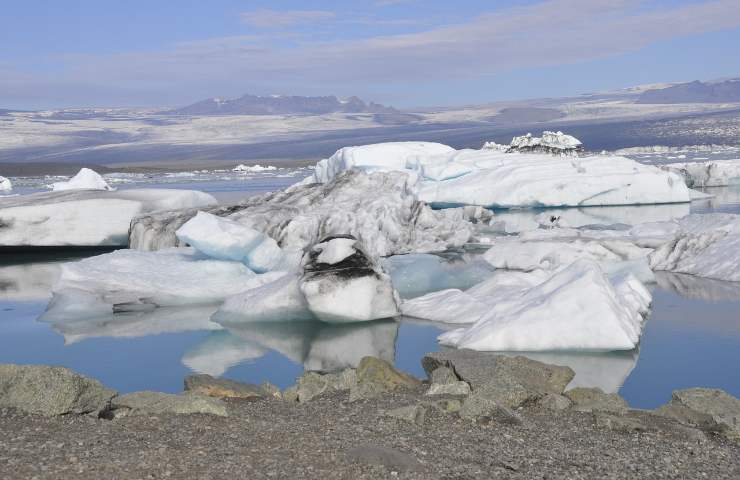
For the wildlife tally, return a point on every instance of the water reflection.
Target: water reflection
(220, 351)
(698, 288)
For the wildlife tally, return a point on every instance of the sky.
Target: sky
(405, 53)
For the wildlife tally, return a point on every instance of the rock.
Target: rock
(290, 394)
(483, 368)
(446, 405)
(443, 376)
(594, 399)
(508, 393)
(390, 458)
(221, 387)
(312, 384)
(707, 408)
(411, 413)
(457, 388)
(155, 403)
(271, 390)
(555, 403)
(376, 376)
(51, 391)
(483, 409)
(637, 421)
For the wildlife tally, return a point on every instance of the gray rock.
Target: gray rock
(483, 409)
(446, 405)
(312, 384)
(508, 393)
(483, 368)
(51, 391)
(594, 399)
(155, 403)
(637, 421)
(376, 376)
(708, 408)
(390, 458)
(290, 394)
(553, 402)
(457, 388)
(411, 413)
(443, 376)
(271, 390)
(221, 387)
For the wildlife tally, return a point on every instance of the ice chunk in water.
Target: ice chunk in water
(85, 179)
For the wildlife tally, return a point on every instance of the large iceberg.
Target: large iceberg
(575, 308)
(492, 178)
(85, 217)
(379, 209)
(715, 173)
(550, 142)
(85, 179)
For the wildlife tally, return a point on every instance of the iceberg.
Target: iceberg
(379, 209)
(85, 179)
(5, 184)
(226, 239)
(254, 168)
(550, 142)
(128, 281)
(715, 173)
(351, 289)
(491, 178)
(85, 217)
(575, 308)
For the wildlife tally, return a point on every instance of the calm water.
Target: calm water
(691, 339)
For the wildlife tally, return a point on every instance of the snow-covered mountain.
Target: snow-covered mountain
(279, 105)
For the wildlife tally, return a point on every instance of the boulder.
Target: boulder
(594, 399)
(221, 387)
(485, 369)
(313, 384)
(51, 391)
(707, 408)
(411, 413)
(457, 388)
(480, 408)
(376, 376)
(156, 403)
(290, 394)
(443, 375)
(553, 402)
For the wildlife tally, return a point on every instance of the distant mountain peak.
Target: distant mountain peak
(727, 91)
(281, 105)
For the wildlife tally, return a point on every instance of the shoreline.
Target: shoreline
(384, 425)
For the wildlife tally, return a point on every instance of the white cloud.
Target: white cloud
(284, 18)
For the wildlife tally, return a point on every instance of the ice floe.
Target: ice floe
(85, 179)
(85, 217)
(441, 176)
(5, 184)
(254, 168)
(716, 173)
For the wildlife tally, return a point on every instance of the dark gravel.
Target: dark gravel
(331, 438)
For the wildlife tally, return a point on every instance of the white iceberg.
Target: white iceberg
(226, 239)
(254, 168)
(706, 245)
(5, 184)
(576, 308)
(133, 281)
(85, 179)
(715, 173)
(378, 209)
(85, 217)
(549, 142)
(492, 178)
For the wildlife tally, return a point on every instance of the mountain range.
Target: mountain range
(727, 91)
(281, 105)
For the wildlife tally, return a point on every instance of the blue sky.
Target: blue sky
(400, 52)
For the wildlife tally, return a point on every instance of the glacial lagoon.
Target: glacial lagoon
(691, 338)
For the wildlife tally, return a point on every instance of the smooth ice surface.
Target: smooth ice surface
(5, 184)
(85, 179)
(577, 308)
(131, 281)
(379, 209)
(493, 178)
(85, 217)
(226, 239)
(715, 173)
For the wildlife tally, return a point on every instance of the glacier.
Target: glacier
(86, 179)
(85, 217)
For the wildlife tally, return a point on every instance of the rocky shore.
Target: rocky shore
(477, 415)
